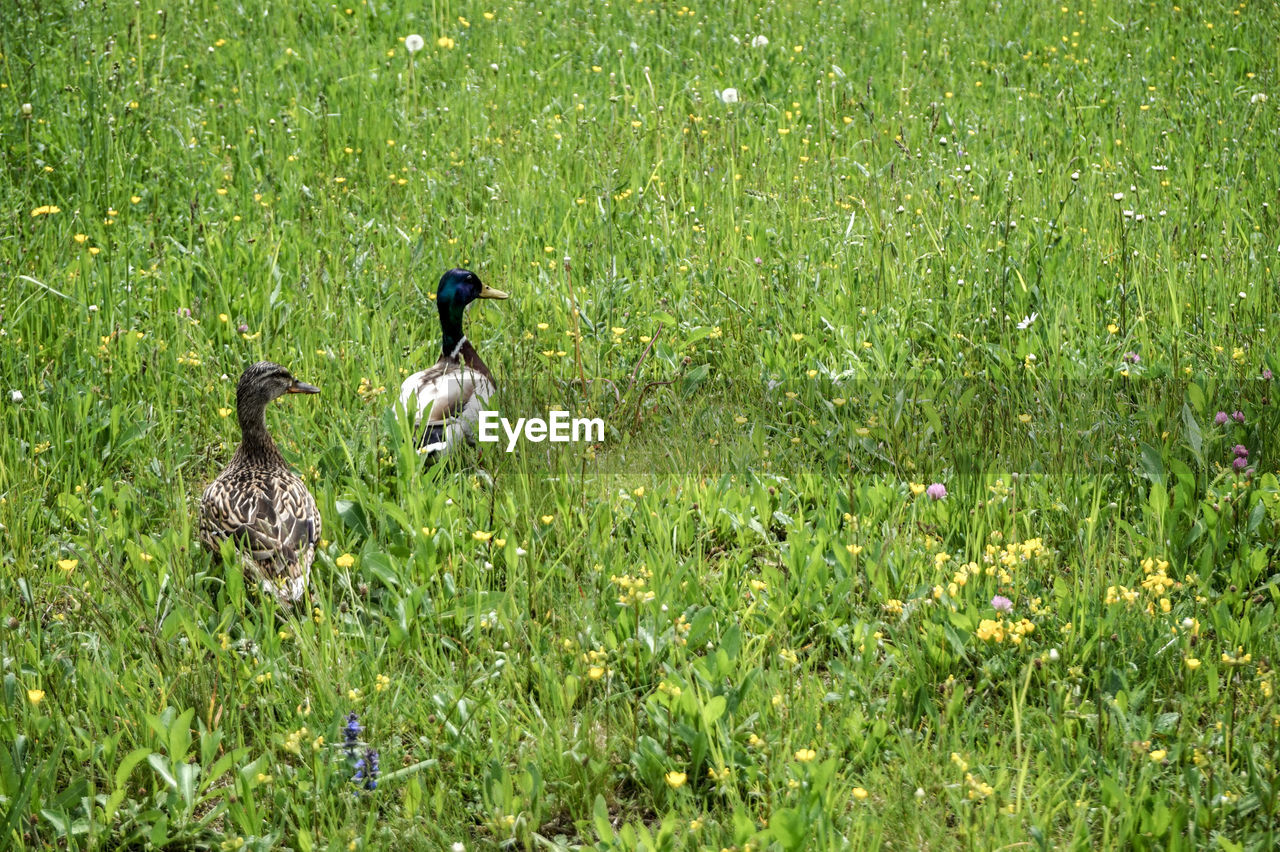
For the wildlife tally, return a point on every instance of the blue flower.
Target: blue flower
(367, 769)
(351, 734)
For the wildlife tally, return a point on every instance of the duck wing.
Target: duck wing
(443, 391)
(273, 519)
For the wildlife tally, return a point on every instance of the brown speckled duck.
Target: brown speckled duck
(257, 501)
(446, 399)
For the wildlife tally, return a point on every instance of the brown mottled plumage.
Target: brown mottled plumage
(257, 501)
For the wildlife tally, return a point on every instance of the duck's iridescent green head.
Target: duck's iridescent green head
(459, 288)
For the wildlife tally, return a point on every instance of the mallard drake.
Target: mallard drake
(257, 501)
(446, 399)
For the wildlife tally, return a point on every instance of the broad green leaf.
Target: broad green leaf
(126, 766)
(713, 710)
(160, 764)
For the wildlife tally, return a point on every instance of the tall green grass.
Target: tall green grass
(1027, 252)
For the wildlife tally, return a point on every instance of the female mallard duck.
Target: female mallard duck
(257, 501)
(446, 399)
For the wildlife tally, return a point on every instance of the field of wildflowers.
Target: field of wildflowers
(938, 505)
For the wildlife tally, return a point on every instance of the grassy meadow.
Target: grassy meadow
(938, 502)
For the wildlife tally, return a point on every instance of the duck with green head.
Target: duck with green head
(446, 398)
